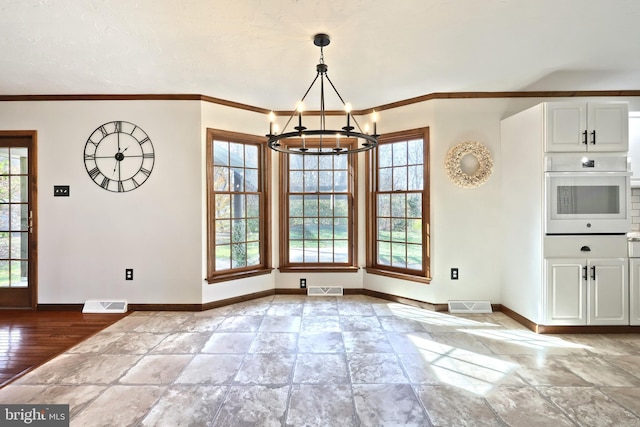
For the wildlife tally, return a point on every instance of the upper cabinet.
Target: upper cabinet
(582, 126)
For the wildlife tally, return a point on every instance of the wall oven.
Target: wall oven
(587, 194)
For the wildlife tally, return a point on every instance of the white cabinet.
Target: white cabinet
(581, 126)
(587, 292)
(586, 280)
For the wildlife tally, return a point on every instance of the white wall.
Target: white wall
(86, 241)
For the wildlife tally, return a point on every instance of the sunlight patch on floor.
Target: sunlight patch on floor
(525, 338)
(467, 370)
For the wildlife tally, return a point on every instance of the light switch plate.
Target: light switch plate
(61, 191)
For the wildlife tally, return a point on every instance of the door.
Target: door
(608, 292)
(566, 292)
(608, 125)
(565, 125)
(18, 287)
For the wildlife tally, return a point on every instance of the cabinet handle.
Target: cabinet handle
(584, 137)
(585, 249)
(584, 272)
(593, 272)
(593, 137)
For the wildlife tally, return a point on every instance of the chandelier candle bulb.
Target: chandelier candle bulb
(272, 118)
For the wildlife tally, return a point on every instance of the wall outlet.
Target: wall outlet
(303, 283)
(128, 274)
(454, 274)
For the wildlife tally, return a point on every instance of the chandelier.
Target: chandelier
(329, 140)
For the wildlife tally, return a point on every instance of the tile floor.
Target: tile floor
(337, 361)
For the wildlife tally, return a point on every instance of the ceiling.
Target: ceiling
(261, 53)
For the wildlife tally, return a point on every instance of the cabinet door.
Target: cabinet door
(565, 124)
(608, 300)
(608, 127)
(566, 296)
(634, 291)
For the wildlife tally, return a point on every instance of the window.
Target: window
(398, 206)
(238, 206)
(317, 225)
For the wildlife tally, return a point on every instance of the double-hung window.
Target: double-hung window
(398, 206)
(238, 206)
(318, 211)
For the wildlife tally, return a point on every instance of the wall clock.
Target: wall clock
(119, 156)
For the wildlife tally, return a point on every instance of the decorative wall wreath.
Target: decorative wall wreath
(455, 172)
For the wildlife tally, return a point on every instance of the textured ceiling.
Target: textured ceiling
(261, 53)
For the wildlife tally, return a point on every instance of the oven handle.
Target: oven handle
(586, 173)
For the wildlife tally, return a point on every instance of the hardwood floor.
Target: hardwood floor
(29, 339)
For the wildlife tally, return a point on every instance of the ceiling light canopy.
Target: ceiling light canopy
(329, 140)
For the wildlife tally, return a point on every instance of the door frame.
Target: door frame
(33, 201)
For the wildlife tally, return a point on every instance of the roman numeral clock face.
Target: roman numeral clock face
(119, 156)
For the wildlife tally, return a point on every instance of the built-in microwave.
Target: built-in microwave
(587, 195)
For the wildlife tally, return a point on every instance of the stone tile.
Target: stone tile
(366, 342)
(200, 324)
(321, 405)
(374, 407)
(408, 342)
(320, 323)
(119, 406)
(167, 322)
(628, 397)
(359, 323)
(274, 342)
(281, 324)
(186, 405)
(83, 368)
(266, 369)
(355, 309)
(598, 371)
(156, 369)
(453, 406)
(97, 343)
(229, 342)
(418, 369)
(285, 309)
(375, 368)
(462, 340)
(76, 396)
(211, 369)
(129, 323)
(590, 407)
(320, 306)
(251, 308)
(254, 405)
(320, 342)
(240, 324)
(631, 364)
(313, 368)
(523, 406)
(545, 371)
(21, 393)
(398, 324)
(182, 343)
(134, 343)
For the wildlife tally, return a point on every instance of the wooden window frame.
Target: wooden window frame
(351, 265)
(264, 179)
(372, 266)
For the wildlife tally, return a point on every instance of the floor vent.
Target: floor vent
(324, 290)
(95, 306)
(470, 307)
